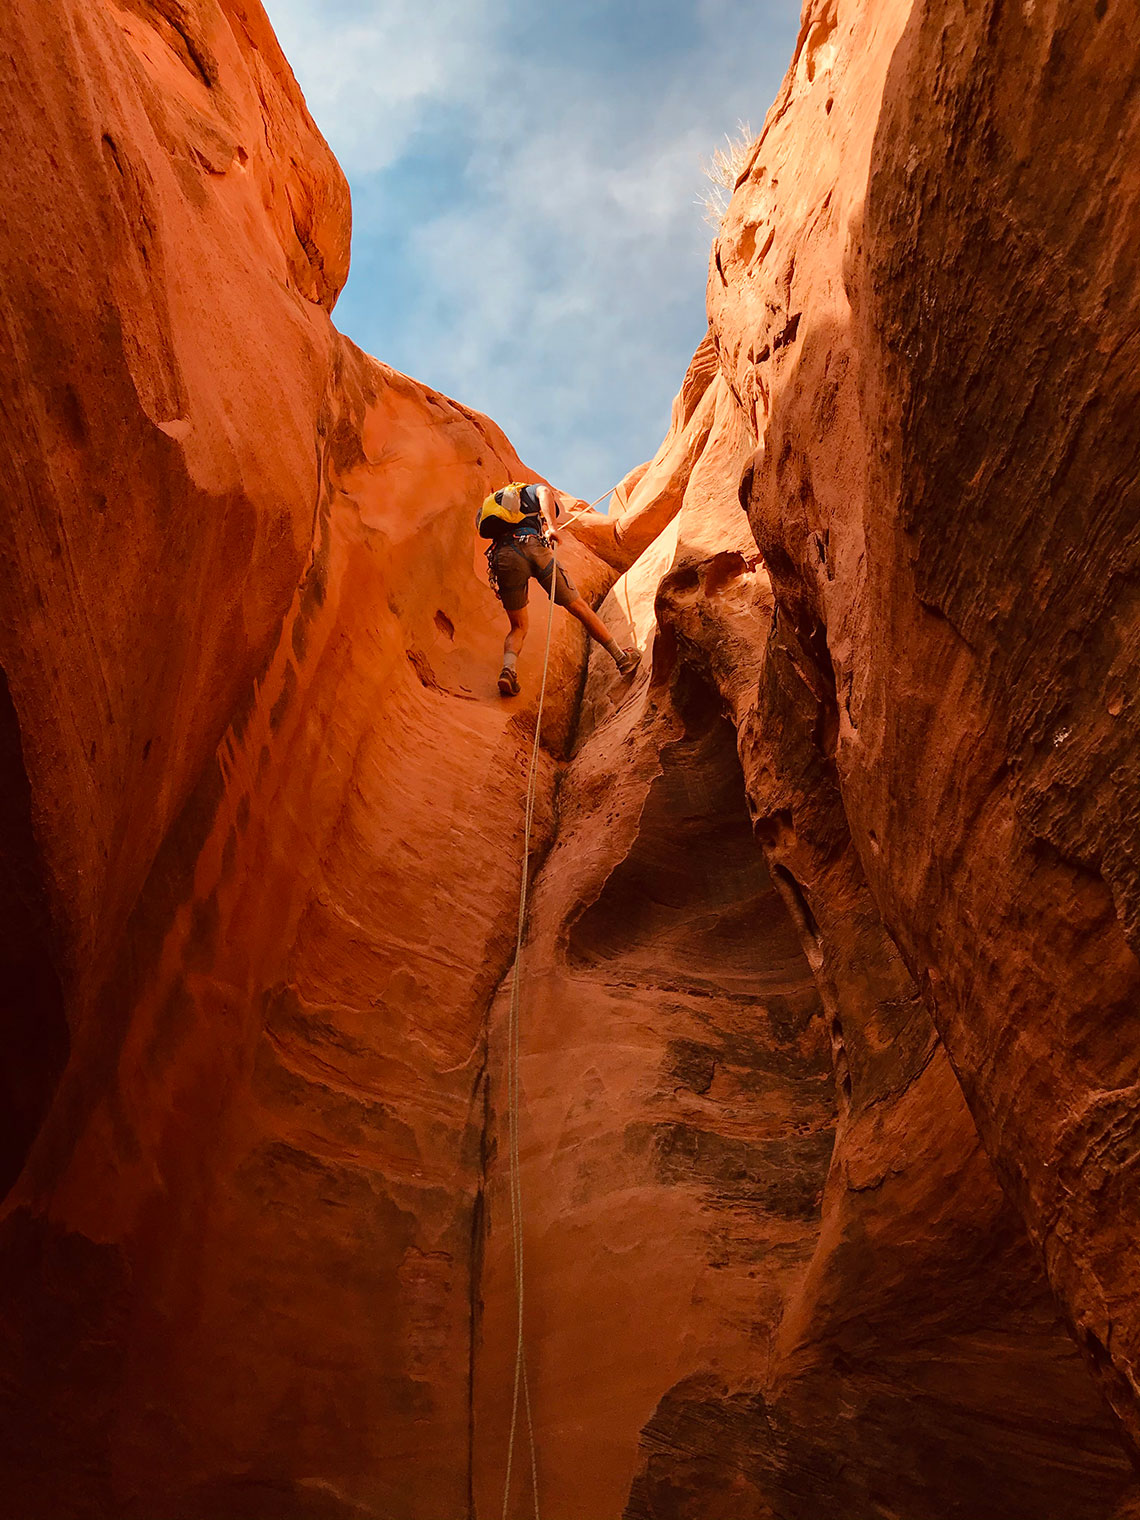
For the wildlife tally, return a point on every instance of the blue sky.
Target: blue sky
(525, 180)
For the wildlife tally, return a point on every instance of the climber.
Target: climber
(519, 520)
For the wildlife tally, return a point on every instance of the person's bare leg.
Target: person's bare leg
(516, 635)
(512, 648)
(589, 620)
(625, 659)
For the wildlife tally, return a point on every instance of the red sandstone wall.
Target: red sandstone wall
(167, 353)
(265, 806)
(902, 1353)
(944, 496)
(939, 349)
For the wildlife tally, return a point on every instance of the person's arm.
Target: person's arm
(549, 505)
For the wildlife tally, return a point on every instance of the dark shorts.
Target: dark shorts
(516, 560)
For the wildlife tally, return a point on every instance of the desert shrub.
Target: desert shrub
(722, 171)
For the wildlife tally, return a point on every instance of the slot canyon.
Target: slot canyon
(829, 1060)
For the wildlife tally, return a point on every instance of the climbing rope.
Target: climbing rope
(521, 1382)
(604, 494)
(581, 512)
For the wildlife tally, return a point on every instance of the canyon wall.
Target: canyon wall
(946, 501)
(827, 1063)
(924, 297)
(262, 808)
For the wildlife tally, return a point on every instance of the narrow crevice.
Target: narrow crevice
(798, 904)
(482, 1095)
(32, 1021)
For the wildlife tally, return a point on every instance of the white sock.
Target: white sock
(510, 659)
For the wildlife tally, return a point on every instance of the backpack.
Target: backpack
(505, 509)
(509, 505)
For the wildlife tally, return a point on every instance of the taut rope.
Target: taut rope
(521, 1381)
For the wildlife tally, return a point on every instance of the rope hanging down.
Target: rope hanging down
(521, 1382)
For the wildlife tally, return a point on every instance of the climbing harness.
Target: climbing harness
(521, 1382)
(492, 568)
(491, 554)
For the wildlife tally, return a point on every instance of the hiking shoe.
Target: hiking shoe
(508, 683)
(630, 660)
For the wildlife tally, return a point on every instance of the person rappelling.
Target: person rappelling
(520, 521)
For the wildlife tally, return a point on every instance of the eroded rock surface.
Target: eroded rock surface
(261, 815)
(902, 298)
(829, 979)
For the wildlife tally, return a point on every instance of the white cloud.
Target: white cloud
(585, 232)
(559, 277)
(372, 70)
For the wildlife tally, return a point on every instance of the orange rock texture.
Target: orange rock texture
(828, 1068)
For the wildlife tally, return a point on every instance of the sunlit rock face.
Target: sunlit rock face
(924, 299)
(167, 351)
(827, 1065)
(261, 808)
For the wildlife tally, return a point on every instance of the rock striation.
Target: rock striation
(829, 979)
